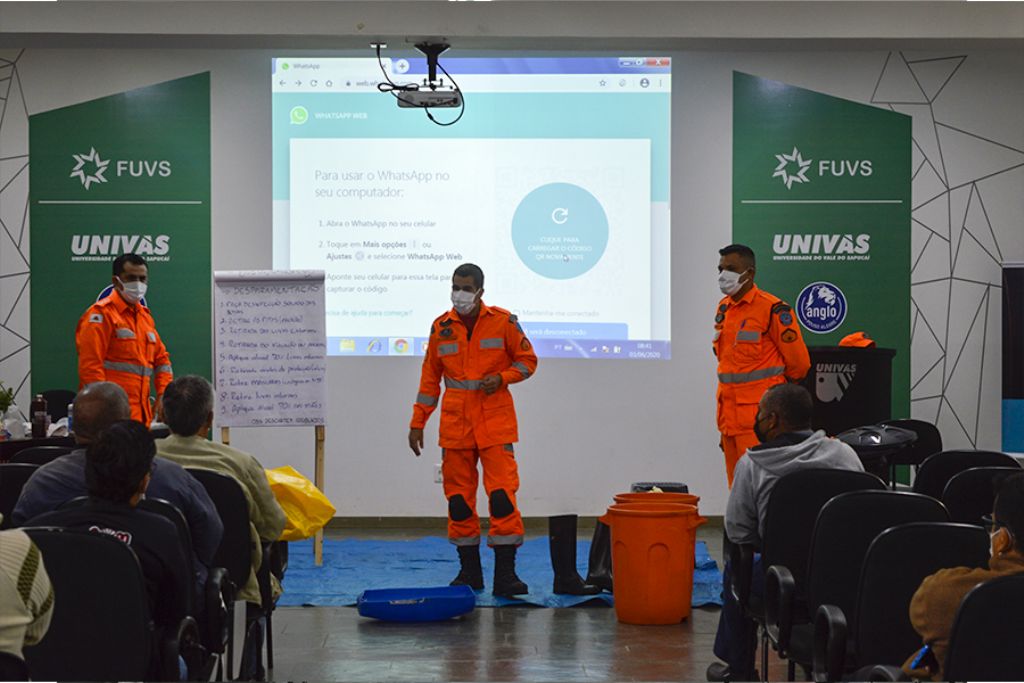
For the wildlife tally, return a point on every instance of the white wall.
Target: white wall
(588, 428)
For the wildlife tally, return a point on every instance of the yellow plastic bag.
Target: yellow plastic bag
(305, 506)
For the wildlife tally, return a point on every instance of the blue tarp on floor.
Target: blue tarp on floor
(352, 566)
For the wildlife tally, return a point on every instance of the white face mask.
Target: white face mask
(729, 282)
(133, 291)
(464, 302)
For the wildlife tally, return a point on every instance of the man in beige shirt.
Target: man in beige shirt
(26, 596)
(188, 411)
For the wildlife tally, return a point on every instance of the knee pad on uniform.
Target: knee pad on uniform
(501, 504)
(458, 510)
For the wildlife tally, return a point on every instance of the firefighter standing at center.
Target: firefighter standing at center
(758, 345)
(478, 351)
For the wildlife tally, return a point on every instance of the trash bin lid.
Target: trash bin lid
(877, 440)
(666, 486)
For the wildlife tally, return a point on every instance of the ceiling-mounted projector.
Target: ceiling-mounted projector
(439, 98)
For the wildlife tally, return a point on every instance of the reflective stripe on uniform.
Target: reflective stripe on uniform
(164, 368)
(492, 343)
(124, 333)
(128, 367)
(467, 384)
(753, 376)
(465, 540)
(426, 400)
(748, 336)
(522, 368)
(447, 349)
(515, 539)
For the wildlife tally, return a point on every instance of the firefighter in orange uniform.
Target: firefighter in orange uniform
(758, 344)
(117, 340)
(478, 351)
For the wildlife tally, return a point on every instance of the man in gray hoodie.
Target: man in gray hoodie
(788, 444)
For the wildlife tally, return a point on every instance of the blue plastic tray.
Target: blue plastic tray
(416, 604)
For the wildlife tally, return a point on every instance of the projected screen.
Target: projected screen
(555, 182)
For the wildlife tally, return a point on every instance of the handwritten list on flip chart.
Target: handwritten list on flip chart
(270, 350)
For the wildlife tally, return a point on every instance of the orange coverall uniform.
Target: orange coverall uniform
(758, 344)
(475, 426)
(118, 342)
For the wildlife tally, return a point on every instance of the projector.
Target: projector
(422, 99)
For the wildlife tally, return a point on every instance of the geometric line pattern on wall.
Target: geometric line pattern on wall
(956, 257)
(15, 348)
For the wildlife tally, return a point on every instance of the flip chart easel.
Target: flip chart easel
(270, 356)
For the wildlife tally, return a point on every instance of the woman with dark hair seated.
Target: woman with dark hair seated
(935, 603)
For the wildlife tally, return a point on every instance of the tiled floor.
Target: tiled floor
(506, 644)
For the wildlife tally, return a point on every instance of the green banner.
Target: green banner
(821, 192)
(124, 173)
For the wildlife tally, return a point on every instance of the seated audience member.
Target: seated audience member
(935, 603)
(188, 412)
(117, 474)
(788, 444)
(96, 407)
(26, 596)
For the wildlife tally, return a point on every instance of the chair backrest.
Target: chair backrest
(897, 561)
(100, 629)
(168, 511)
(12, 479)
(984, 644)
(57, 401)
(845, 529)
(929, 441)
(937, 470)
(793, 508)
(12, 668)
(234, 552)
(970, 495)
(40, 455)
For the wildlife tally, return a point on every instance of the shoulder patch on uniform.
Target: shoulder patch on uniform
(446, 322)
(786, 318)
(95, 317)
(447, 332)
(719, 318)
(723, 308)
(788, 336)
(781, 307)
(525, 344)
(512, 317)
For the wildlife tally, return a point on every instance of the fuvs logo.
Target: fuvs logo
(793, 168)
(90, 168)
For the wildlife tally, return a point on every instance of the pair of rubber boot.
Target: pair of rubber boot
(562, 542)
(506, 583)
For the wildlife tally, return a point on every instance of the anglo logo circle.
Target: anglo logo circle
(821, 307)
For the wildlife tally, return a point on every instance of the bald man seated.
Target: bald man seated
(96, 407)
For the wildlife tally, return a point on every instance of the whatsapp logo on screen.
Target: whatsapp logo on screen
(298, 115)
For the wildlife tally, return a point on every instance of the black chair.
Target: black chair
(937, 470)
(12, 480)
(101, 627)
(845, 528)
(40, 455)
(878, 631)
(970, 495)
(789, 522)
(12, 668)
(984, 644)
(235, 554)
(987, 632)
(929, 442)
(57, 402)
(213, 621)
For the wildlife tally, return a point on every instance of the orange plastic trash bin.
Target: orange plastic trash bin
(658, 497)
(652, 560)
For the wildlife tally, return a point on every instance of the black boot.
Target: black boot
(599, 570)
(506, 583)
(562, 540)
(470, 573)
